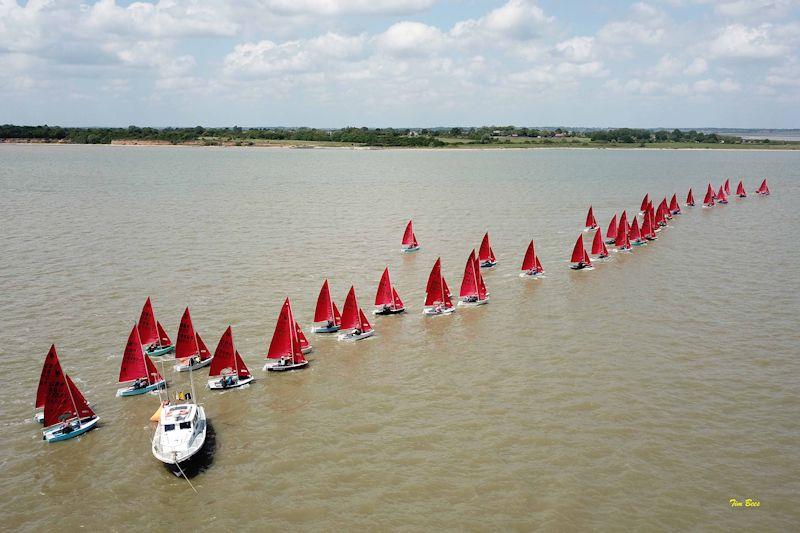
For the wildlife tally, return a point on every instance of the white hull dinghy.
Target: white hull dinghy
(155, 340)
(409, 243)
(285, 350)
(473, 290)
(228, 370)
(387, 301)
(138, 368)
(326, 312)
(437, 293)
(354, 320)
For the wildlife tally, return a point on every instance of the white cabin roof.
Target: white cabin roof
(173, 414)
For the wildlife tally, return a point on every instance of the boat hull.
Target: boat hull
(353, 337)
(530, 274)
(382, 312)
(488, 264)
(307, 350)
(433, 311)
(325, 329)
(185, 368)
(463, 303)
(172, 458)
(160, 351)
(54, 433)
(275, 367)
(216, 383)
(130, 391)
(410, 249)
(39, 417)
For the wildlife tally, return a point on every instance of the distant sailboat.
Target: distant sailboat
(674, 208)
(623, 222)
(285, 350)
(228, 370)
(326, 312)
(622, 242)
(387, 301)
(591, 222)
(531, 266)
(690, 198)
(598, 246)
(645, 201)
(473, 289)
(410, 243)
(708, 201)
(635, 235)
(647, 227)
(486, 254)
(66, 412)
(727, 187)
(611, 234)
(763, 189)
(664, 208)
(722, 196)
(580, 259)
(137, 367)
(740, 192)
(154, 338)
(354, 320)
(202, 358)
(437, 294)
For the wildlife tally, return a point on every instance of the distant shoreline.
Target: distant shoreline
(308, 145)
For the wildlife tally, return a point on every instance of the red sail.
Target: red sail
(384, 294)
(446, 292)
(659, 218)
(709, 198)
(186, 345)
(337, 316)
(612, 228)
(434, 289)
(204, 353)
(586, 259)
(486, 253)
(133, 365)
(721, 193)
(591, 223)
(51, 368)
(79, 402)
(163, 338)
(740, 190)
(619, 239)
(147, 324)
(647, 228)
(690, 197)
(578, 252)
(469, 283)
(350, 311)
(634, 234)
(153, 375)
(539, 267)
(398, 303)
(324, 311)
(727, 186)
(364, 324)
(63, 400)
(623, 221)
(409, 239)
(711, 190)
(241, 369)
(281, 344)
(223, 355)
(529, 261)
(301, 337)
(598, 246)
(479, 278)
(645, 201)
(673, 205)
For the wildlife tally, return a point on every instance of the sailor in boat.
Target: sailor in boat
(386, 308)
(471, 299)
(580, 265)
(357, 331)
(329, 324)
(140, 383)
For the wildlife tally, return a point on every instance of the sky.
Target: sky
(401, 63)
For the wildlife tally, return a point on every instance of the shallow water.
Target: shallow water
(642, 395)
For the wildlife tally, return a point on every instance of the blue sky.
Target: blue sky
(331, 63)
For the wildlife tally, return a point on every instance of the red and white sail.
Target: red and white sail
(591, 222)
(301, 337)
(485, 253)
(227, 360)
(409, 238)
(186, 345)
(135, 363)
(364, 326)
(148, 331)
(326, 310)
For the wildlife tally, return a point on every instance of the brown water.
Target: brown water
(642, 395)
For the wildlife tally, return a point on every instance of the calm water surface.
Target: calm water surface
(642, 395)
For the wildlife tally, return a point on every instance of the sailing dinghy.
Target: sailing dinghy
(727, 187)
(473, 289)
(722, 196)
(763, 189)
(410, 243)
(202, 358)
(387, 301)
(228, 371)
(622, 242)
(531, 266)
(326, 312)
(580, 259)
(611, 233)
(635, 235)
(154, 338)
(690, 198)
(49, 369)
(285, 352)
(708, 201)
(591, 222)
(66, 412)
(647, 226)
(486, 254)
(437, 294)
(674, 208)
(354, 320)
(138, 368)
(598, 246)
(190, 351)
(740, 192)
(645, 201)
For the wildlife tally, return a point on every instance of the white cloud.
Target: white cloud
(740, 41)
(164, 18)
(577, 49)
(697, 67)
(515, 20)
(711, 86)
(645, 25)
(410, 38)
(340, 7)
